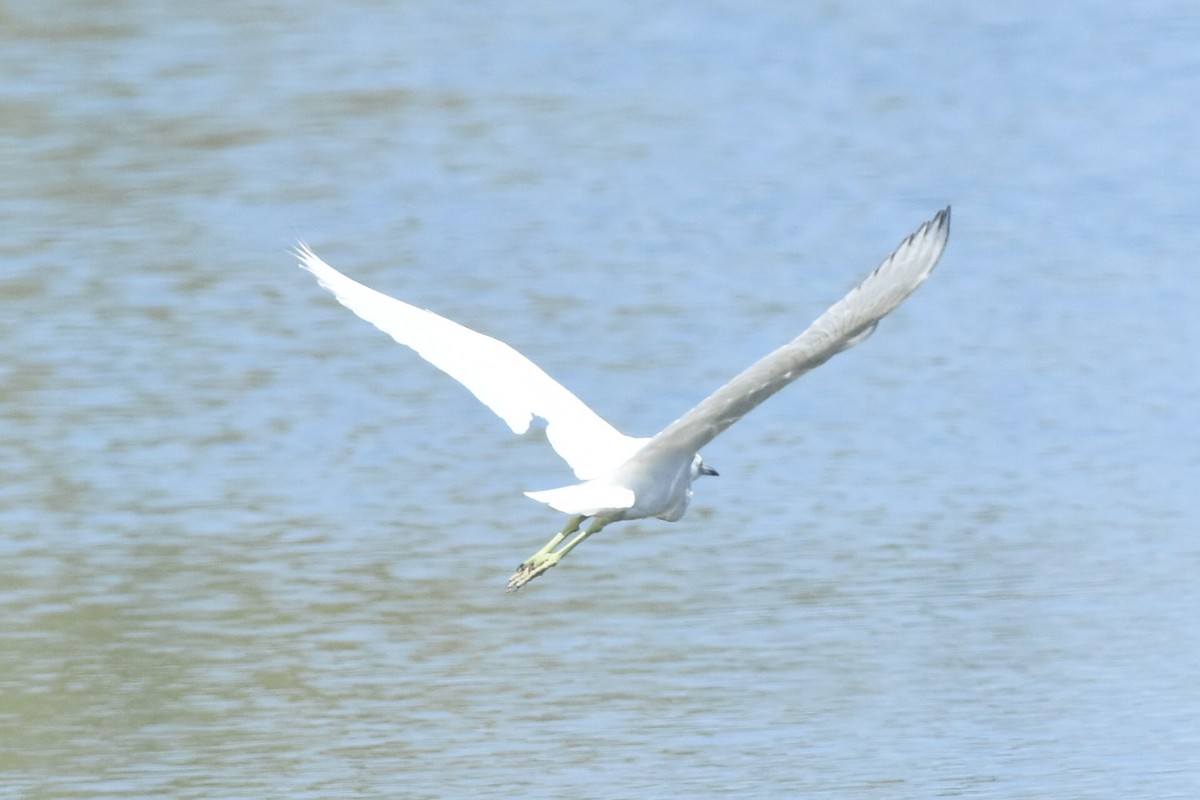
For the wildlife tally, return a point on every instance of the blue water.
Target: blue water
(252, 548)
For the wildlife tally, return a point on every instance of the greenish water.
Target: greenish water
(251, 548)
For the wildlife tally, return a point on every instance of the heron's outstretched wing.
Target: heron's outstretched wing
(504, 380)
(848, 322)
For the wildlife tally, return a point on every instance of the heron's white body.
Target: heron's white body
(624, 477)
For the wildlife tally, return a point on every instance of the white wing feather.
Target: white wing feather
(847, 323)
(505, 381)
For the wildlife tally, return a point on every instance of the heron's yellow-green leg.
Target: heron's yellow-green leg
(572, 525)
(547, 557)
(595, 527)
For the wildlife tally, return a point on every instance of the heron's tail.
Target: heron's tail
(588, 498)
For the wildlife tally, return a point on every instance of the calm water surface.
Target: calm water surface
(250, 548)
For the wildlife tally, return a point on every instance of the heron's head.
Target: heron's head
(700, 468)
(678, 494)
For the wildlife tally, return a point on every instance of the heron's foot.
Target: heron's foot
(536, 565)
(547, 557)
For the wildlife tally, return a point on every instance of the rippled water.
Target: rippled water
(249, 547)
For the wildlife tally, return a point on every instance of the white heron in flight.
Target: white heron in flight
(623, 477)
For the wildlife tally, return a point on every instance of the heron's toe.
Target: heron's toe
(531, 569)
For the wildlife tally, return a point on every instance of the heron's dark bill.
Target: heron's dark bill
(705, 469)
